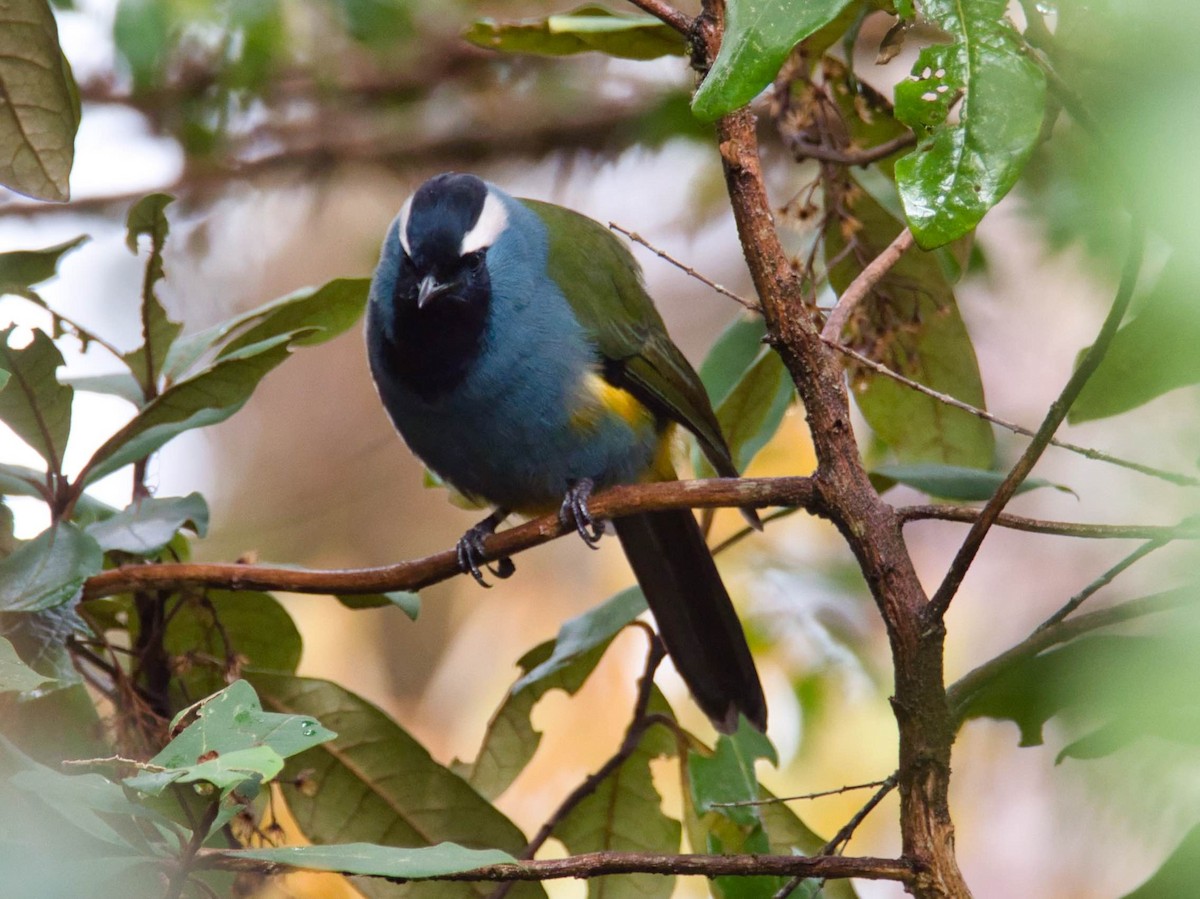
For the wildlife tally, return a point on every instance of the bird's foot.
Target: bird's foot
(574, 511)
(471, 552)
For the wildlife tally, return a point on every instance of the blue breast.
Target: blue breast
(509, 432)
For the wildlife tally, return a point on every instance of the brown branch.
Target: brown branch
(818, 795)
(1181, 480)
(1188, 529)
(418, 573)
(866, 280)
(804, 150)
(940, 601)
(867, 524)
(960, 693)
(667, 14)
(599, 864)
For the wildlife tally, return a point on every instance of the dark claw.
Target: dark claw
(574, 511)
(470, 551)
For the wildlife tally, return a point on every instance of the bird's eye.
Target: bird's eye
(474, 261)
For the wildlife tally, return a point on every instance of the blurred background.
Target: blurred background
(292, 132)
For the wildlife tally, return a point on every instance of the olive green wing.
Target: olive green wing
(603, 283)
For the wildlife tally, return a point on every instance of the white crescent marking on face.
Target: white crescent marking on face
(493, 219)
(402, 225)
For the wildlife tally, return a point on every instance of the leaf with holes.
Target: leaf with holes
(147, 218)
(511, 740)
(588, 28)
(624, 814)
(23, 269)
(759, 35)
(962, 168)
(910, 323)
(40, 112)
(33, 403)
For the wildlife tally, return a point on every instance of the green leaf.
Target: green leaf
(1121, 688)
(585, 632)
(752, 412)
(22, 269)
(727, 775)
(48, 570)
(53, 726)
(788, 835)
(624, 814)
(954, 482)
(147, 218)
(375, 783)
(759, 35)
(381, 861)
(322, 313)
(33, 403)
(731, 355)
(963, 167)
(142, 34)
(15, 675)
(148, 525)
(377, 23)
(229, 722)
(206, 398)
(910, 323)
(1150, 355)
(1178, 875)
(314, 315)
(586, 29)
(120, 384)
(40, 112)
(17, 480)
(408, 603)
(511, 740)
(227, 771)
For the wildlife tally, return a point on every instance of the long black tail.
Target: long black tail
(694, 615)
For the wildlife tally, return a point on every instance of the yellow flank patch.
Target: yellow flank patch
(601, 398)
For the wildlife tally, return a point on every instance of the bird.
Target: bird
(517, 352)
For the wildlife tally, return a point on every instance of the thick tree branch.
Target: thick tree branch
(599, 864)
(869, 525)
(418, 573)
(940, 601)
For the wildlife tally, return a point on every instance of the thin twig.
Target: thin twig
(774, 799)
(960, 693)
(1188, 529)
(842, 837)
(687, 269)
(940, 601)
(1103, 581)
(864, 283)
(1181, 480)
(804, 150)
(415, 574)
(638, 726)
(667, 14)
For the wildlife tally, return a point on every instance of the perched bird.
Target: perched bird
(518, 354)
